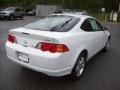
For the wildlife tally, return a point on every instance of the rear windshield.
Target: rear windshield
(54, 23)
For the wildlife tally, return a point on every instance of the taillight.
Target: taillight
(53, 48)
(12, 39)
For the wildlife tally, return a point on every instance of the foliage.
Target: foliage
(90, 5)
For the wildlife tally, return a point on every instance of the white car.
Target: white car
(57, 45)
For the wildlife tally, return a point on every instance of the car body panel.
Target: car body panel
(55, 64)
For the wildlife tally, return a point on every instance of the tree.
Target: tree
(90, 5)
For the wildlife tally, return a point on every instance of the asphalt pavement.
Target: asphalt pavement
(102, 72)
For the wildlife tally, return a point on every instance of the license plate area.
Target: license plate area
(23, 57)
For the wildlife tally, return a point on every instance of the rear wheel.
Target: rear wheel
(79, 66)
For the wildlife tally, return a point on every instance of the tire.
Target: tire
(11, 17)
(107, 46)
(79, 66)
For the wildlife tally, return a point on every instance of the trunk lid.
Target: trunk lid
(30, 38)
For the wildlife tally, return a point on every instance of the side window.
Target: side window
(95, 25)
(22, 10)
(100, 26)
(86, 26)
(18, 10)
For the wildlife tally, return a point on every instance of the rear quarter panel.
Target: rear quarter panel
(77, 42)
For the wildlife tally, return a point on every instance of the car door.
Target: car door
(99, 33)
(89, 38)
(93, 36)
(17, 12)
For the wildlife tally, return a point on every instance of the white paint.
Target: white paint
(56, 64)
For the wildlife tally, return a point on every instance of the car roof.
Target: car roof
(79, 15)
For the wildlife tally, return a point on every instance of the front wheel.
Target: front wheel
(79, 66)
(107, 46)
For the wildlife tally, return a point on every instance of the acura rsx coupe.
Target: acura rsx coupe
(59, 44)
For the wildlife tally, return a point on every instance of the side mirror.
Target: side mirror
(106, 28)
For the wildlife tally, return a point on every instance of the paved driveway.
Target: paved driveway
(102, 73)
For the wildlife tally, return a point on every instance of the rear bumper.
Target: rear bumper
(48, 63)
(49, 72)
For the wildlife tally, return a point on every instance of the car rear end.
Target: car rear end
(44, 46)
(43, 53)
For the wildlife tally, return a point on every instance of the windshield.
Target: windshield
(10, 9)
(54, 23)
